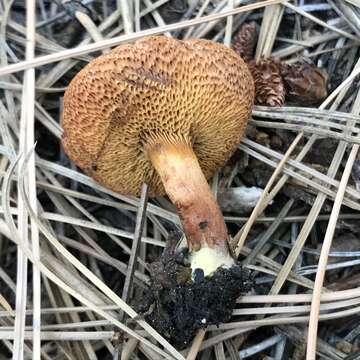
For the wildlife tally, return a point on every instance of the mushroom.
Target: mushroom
(168, 113)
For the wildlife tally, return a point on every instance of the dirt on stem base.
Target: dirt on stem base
(177, 305)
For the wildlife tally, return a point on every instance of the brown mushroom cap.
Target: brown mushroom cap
(197, 91)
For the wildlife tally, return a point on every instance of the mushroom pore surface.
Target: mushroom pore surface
(195, 93)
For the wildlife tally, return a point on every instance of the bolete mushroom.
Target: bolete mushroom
(168, 113)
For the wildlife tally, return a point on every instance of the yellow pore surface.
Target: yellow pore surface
(156, 90)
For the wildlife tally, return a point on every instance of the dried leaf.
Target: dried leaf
(245, 40)
(305, 84)
(269, 86)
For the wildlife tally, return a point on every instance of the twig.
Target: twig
(255, 349)
(229, 25)
(59, 282)
(314, 212)
(97, 282)
(85, 49)
(126, 17)
(320, 22)
(239, 239)
(198, 15)
(269, 28)
(315, 304)
(140, 221)
(89, 25)
(195, 347)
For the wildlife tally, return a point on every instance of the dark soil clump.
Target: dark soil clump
(177, 305)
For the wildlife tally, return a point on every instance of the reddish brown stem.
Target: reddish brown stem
(189, 191)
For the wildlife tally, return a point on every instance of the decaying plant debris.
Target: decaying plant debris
(93, 284)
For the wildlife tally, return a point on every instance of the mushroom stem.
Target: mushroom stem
(189, 191)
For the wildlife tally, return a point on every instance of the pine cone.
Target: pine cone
(245, 40)
(269, 86)
(305, 84)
